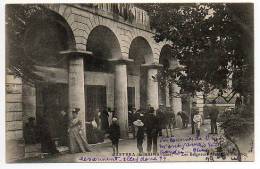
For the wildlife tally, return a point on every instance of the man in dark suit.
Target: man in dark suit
(114, 135)
(213, 118)
(104, 120)
(152, 129)
(185, 119)
(160, 113)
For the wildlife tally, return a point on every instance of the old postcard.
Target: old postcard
(129, 82)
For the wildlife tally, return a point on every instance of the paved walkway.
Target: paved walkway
(129, 146)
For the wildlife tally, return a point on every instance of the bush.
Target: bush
(237, 124)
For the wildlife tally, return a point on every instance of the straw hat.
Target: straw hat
(76, 110)
(114, 119)
(138, 123)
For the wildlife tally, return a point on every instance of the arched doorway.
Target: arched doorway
(140, 51)
(165, 56)
(169, 92)
(99, 79)
(44, 38)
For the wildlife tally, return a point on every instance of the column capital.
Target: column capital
(74, 52)
(121, 61)
(152, 65)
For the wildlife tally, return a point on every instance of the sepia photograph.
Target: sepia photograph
(129, 82)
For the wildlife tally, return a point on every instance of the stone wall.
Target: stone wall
(14, 118)
(107, 79)
(92, 78)
(29, 101)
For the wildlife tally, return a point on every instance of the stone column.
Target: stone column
(120, 96)
(175, 100)
(76, 92)
(167, 96)
(162, 95)
(152, 85)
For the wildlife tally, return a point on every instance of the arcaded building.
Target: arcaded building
(100, 55)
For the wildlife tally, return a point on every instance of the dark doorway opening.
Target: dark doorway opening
(51, 100)
(95, 98)
(131, 97)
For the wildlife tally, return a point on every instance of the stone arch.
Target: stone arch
(173, 62)
(169, 93)
(164, 57)
(81, 23)
(64, 16)
(103, 42)
(127, 35)
(46, 36)
(84, 22)
(130, 36)
(140, 50)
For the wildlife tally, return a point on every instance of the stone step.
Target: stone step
(32, 150)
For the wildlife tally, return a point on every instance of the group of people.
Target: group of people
(146, 121)
(70, 131)
(140, 121)
(103, 119)
(197, 118)
(39, 132)
(149, 121)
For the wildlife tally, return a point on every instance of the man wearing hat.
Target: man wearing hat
(131, 119)
(160, 113)
(152, 129)
(114, 131)
(213, 117)
(140, 134)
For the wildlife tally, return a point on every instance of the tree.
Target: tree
(212, 42)
(18, 19)
(207, 39)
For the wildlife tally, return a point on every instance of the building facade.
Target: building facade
(105, 56)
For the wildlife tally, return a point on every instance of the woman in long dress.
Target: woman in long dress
(78, 142)
(178, 121)
(110, 116)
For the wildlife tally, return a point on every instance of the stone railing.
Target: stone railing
(128, 12)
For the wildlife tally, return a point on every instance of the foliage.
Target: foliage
(214, 43)
(18, 18)
(207, 39)
(237, 124)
